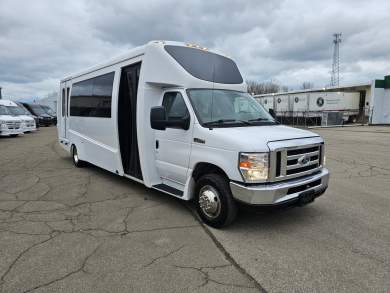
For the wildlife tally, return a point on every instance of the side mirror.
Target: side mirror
(158, 118)
(272, 113)
(179, 123)
(183, 123)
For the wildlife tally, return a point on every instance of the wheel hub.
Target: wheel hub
(209, 201)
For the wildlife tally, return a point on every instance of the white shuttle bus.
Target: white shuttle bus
(10, 124)
(27, 122)
(177, 118)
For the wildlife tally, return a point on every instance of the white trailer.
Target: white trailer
(177, 118)
(313, 103)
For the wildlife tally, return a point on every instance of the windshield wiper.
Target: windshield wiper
(222, 121)
(260, 119)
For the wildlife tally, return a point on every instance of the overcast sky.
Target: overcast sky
(288, 42)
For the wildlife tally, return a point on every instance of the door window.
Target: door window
(175, 106)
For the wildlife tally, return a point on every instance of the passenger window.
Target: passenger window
(92, 97)
(175, 106)
(67, 101)
(63, 103)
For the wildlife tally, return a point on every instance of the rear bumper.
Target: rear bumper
(281, 192)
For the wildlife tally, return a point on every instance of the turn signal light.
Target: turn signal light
(246, 164)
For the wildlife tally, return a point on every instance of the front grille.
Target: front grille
(301, 151)
(298, 161)
(302, 169)
(13, 124)
(278, 163)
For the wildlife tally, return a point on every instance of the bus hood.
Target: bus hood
(253, 138)
(26, 117)
(9, 118)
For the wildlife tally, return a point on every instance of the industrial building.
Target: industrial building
(363, 103)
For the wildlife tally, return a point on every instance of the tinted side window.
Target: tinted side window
(206, 65)
(102, 91)
(81, 103)
(67, 101)
(63, 103)
(174, 105)
(92, 97)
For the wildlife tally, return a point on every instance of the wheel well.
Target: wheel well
(206, 168)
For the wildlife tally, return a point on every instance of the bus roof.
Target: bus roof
(133, 53)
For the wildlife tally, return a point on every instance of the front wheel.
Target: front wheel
(214, 201)
(75, 157)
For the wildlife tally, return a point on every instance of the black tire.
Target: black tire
(227, 211)
(75, 158)
(14, 135)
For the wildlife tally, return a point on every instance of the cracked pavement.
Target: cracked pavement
(65, 229)
(341, 242)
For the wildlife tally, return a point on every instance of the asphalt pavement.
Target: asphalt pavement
(339, 243)
(65, 229)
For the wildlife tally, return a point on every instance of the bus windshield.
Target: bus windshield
(223, 108)
(16, 110)
(38, 109)
(48, 110)
(4, 110)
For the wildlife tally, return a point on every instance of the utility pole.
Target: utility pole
(335, 74)
(0, 94)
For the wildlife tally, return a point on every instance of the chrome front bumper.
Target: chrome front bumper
(6, 132)
(280, 192)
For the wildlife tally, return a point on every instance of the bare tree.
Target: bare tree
(284, 89)
(259, 88)
(307, 85)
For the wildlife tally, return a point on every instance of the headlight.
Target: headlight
(254, 166)
(2, 123)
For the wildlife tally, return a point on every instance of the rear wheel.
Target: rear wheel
(214, 201)
(75, 157)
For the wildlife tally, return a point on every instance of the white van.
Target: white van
(28, 122)
(177, 118)
(10, 125)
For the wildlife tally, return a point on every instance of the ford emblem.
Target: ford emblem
(303, 160)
